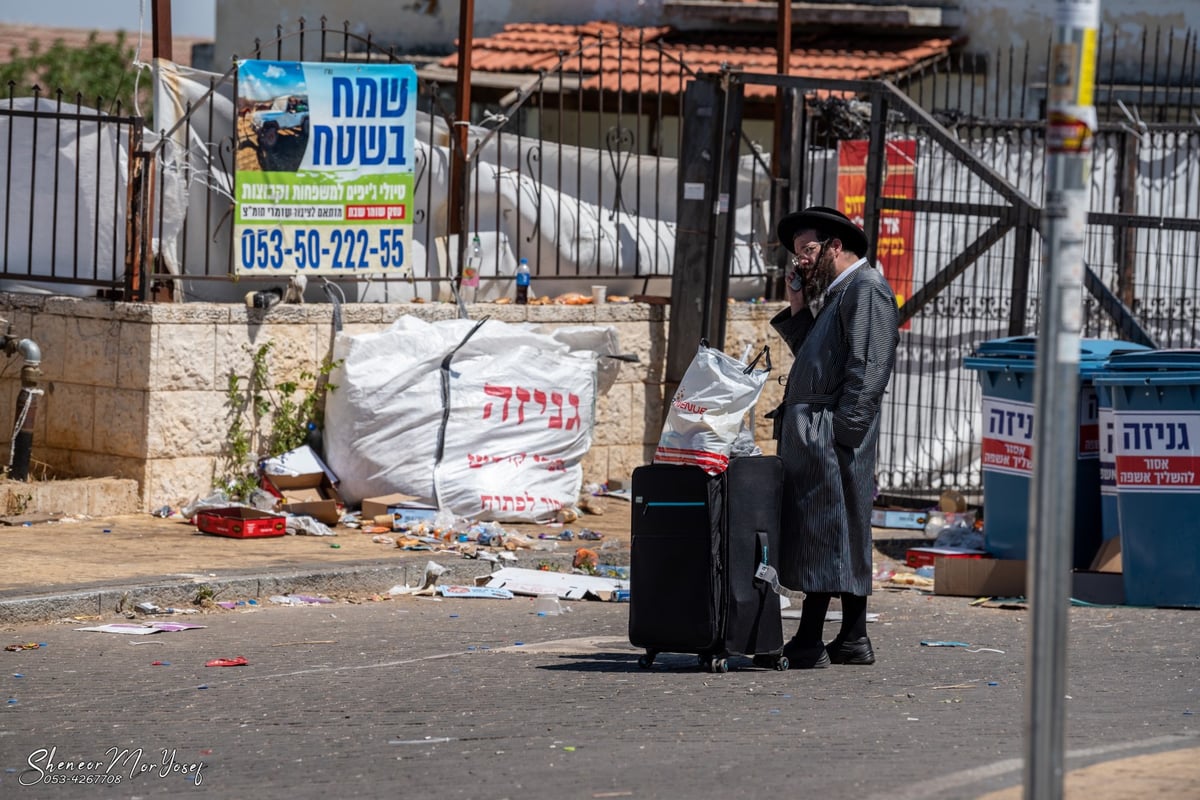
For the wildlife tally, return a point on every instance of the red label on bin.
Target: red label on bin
(1154, 451)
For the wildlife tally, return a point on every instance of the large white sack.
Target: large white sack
(521, 416)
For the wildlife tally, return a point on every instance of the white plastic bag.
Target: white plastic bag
(708, 409)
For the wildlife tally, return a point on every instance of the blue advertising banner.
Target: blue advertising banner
(324, 178)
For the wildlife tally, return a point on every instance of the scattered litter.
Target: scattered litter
(565, 585)
(1007, 603)
(426, 740)
(433, 571)
(983, 650)
(474, 591)
(298, 599)
(142, 628)
(910, 579)
(18, 675)
(238, 661)
(586, 560)
(232, 604)
(24, 646)
(548, 606)
(306, 525)
(29, 520)
(928, 643)
(160, 663)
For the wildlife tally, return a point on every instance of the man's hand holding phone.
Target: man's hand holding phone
(795, 290)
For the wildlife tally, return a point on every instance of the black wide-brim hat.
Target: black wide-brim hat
(824, 219)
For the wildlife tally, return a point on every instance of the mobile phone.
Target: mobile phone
(796, 281)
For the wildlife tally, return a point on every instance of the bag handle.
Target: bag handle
(766, 351)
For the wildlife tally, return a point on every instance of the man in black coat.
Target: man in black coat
(841, 326)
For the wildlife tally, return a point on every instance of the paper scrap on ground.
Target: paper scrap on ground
(475, 591)
(565, 585)
(140, 629)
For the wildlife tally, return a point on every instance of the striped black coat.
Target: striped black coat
(830, 432)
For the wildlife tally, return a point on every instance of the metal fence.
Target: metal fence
(583, 179)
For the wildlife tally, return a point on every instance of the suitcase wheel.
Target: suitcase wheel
(718, 665)
(777, 662)
(646, 659)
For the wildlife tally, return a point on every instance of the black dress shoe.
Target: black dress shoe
(806, 656)
(851, 651)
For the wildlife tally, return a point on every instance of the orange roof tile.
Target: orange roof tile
(660, 60)
(610, 55)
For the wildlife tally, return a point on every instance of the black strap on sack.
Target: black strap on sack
(441, 437)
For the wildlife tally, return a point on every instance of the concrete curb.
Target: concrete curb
(180, 592)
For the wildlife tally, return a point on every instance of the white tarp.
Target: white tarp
(79, 229)
(490, 423)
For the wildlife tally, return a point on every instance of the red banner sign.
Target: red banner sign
(893, 243)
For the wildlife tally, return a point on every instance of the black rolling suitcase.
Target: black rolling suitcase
(702, 562)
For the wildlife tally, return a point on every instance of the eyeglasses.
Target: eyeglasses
(810, 251)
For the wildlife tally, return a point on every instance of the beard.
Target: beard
(818, 277)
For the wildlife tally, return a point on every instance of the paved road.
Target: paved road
(465, 698)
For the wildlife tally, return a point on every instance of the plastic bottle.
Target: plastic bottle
(523, 282)
(314, 439)
(470, 276)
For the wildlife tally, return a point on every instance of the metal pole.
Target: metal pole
(779, 162)
(1071, 119)
(457, 224)
(160, 28)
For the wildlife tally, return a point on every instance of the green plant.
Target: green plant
(268, 420)
(99, 69)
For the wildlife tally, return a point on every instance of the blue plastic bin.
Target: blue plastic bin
(1005, 368)
(1156, 443)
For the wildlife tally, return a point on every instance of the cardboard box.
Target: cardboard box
(1104, 583)
(899, 518)
(979, 577)
(405, 508)
(312, 494)
(1108, 557)
(917, 557)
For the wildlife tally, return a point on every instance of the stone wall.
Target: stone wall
(141, 390)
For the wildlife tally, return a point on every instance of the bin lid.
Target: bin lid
(1171, 366)
(1171, 359)
(1020, 353)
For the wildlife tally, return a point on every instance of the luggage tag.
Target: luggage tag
(767, 574)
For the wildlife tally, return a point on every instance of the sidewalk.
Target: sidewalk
(75, 567)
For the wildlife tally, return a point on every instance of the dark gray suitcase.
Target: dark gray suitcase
(702, 562)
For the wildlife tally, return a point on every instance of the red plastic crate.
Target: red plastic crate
(241, 523)
(918, 557)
